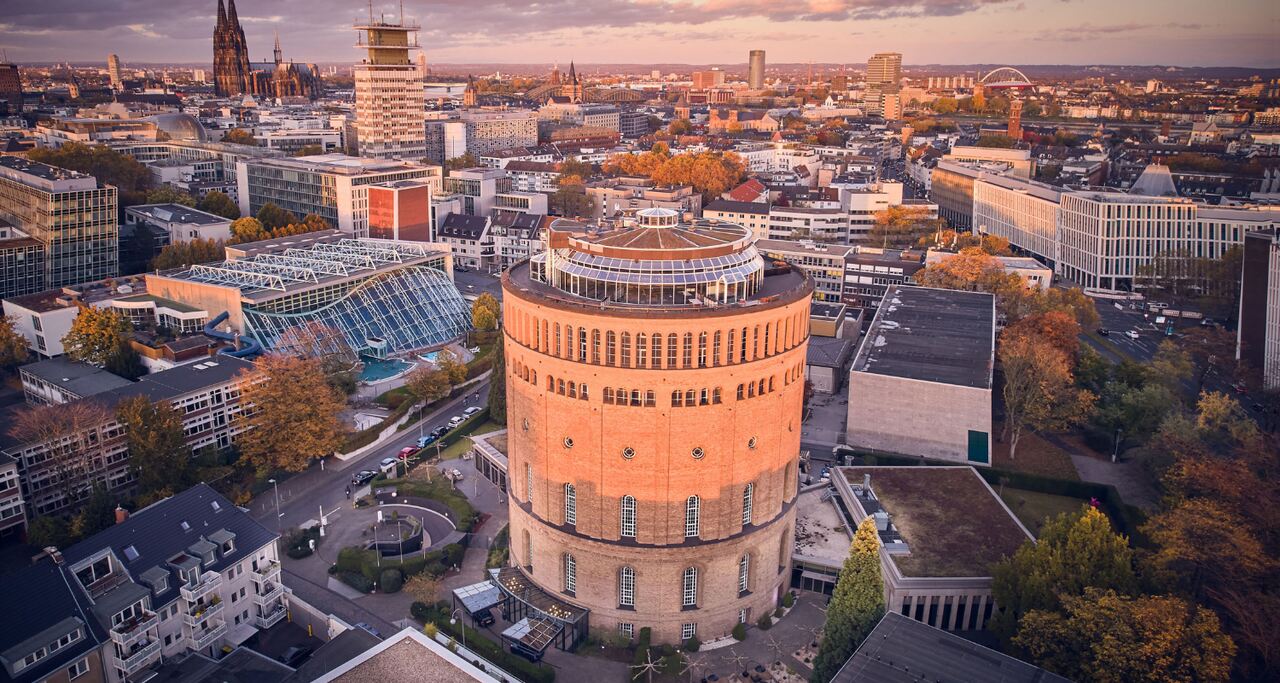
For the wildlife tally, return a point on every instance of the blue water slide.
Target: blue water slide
(249, 345)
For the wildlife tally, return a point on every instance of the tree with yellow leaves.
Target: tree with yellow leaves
(1039, 390)
(292, 416)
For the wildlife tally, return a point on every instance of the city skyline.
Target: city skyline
(1083, 32)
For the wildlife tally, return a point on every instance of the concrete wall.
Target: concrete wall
(913, 417)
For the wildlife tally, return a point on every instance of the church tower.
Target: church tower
(573, 88)
(469, 94)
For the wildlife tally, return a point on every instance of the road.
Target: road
(303, 495)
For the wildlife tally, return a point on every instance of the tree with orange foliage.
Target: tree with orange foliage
(1039, 390)
(1057, 328)
(293, 414)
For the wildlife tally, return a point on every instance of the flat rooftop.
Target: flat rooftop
(821, 531)
(176, 213)
(78, 378)
(44, 176)
(341, 164)
(931, 335)
(952, 522)
(924, 653)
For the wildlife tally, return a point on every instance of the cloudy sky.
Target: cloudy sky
(1179, 32)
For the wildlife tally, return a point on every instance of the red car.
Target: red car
(406, 452)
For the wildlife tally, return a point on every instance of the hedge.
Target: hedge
(642, 646)
(479, 643)
(1127, 518)
(299, 543)
(356, 580)
(391, 580)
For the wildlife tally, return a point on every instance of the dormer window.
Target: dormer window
(96, 571)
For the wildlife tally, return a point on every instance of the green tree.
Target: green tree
(484, 312)
(13, 346)
(98, 513)
(1110, 638)
(48, 531)
(856, 604)
(168, 194)
(219, 204)
(247, 229)
(1171, 366)
(295, 415)
(498, 389)
(308, 150)
(272, 217)
(158, 451)
(130, 177)
(571, 200)
(239, 136)
(459, 163)
(181, 254)
(96, 335)
(1075, 551)
(126, 362)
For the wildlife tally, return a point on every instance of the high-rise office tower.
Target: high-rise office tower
(10, 89)
(885, 70)
(71, 215)
(655, 425)
(390, 118)
(1258, 336)
(113, 71)
(755, 73)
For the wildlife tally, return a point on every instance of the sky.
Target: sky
(1015, 32)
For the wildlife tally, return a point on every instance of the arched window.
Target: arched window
(744, 345)
(689, 588)
(560, 387)
(687, 358)
(744, 573)
(715, 395)
(691, 398)
(656, 347)
(768, 334)
(582, 391)
(747, 494)
(528, 483)
(702, 349)
(611, 348)
(528, 549)
(626, 587)
(692, 517)
(635, 397)
(732, 335)
(627, 523)
(715, 349)
(570, 504)
(582, 344)
(673, 351)
(570, 574)
(741, 394)
(640, 350)
(650, 399)
(595, 347)
(677, 398)
(573, 390)
(533, 377)
(556, 350)
(551, 383)
(626, 350)
(608, 395)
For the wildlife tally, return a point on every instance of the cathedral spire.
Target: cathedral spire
(573, 74)
(231, 13)
(278, 52)
(222, 14)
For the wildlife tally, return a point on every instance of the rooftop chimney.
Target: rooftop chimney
(121, 515)
(866, 481)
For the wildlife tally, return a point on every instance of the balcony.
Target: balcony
(199, 614)
(202, 639)
(128, 633)
(269, 592)
(208, 582)
(271, 618)
(139, 658)
(269, 572)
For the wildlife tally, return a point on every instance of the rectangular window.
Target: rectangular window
(627, 630)
(570, 574)
(688, 631)
(78, 669)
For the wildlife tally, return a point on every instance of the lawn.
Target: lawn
(1033, 508)
(1035, 456)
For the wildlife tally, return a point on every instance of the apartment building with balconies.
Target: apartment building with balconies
(190, 573)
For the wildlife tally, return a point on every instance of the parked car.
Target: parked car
(406, 452)
(439, 432)
(370, 629)
(295, 655)
(483, 618)
(455, 474)
(470, 411)
(455, 421)
(1104, 332)
(363, 477)
(388, 462)
(1133, 334)
(427, 440)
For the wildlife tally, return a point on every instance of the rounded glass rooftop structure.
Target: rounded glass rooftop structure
(651, 258)
(179, 126)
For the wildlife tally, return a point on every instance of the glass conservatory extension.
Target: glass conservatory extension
(717, 279)
(409, 308)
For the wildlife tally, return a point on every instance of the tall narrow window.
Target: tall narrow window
(627, 524)
(732, 334)
(656, 349)
(692, 517)
(570, 504)
(582, 344)
(528, 549)
(611, 348)
(744, 573)
(528, 483)
(715, 349)
(595, 347)
(744, 345)
(570, 574)
(747, 494)
(556, 351)
(626, 350)
(687, 359)
(702, 349)
(673, 351)
(689, 588)
(640, 349)
(627, 587)
(677, 398)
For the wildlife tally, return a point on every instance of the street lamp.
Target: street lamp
(279, 514)
(452, 620)
(1115, 452)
